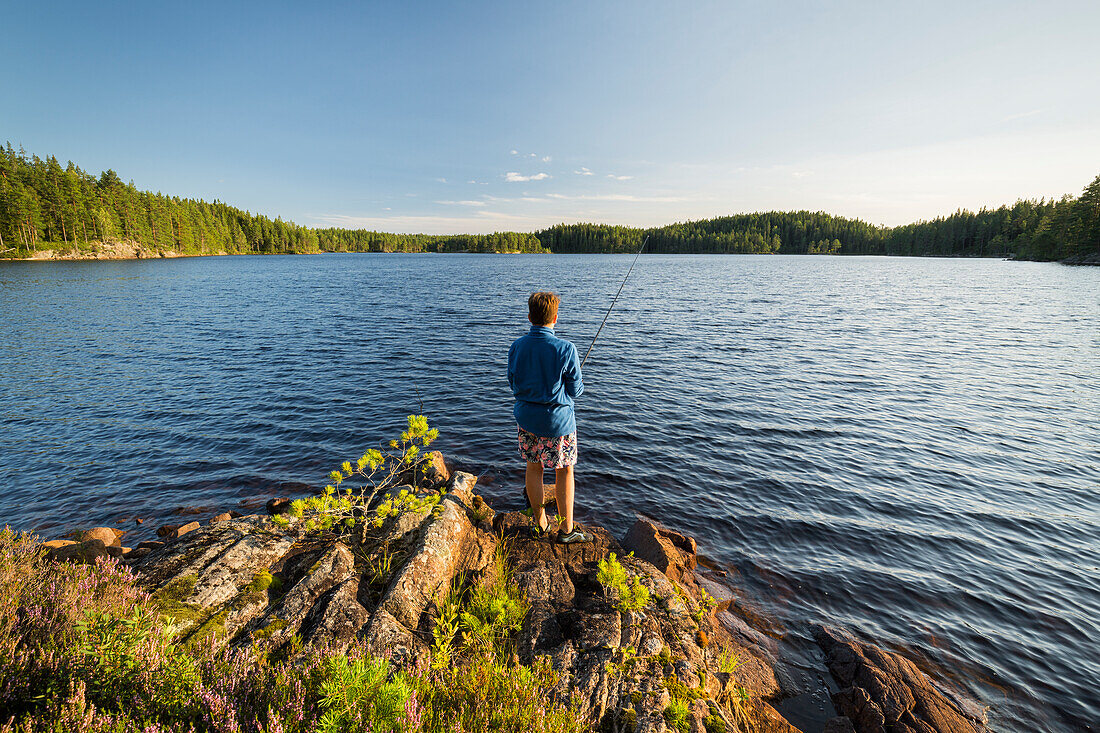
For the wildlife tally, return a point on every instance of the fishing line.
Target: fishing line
(616, 299)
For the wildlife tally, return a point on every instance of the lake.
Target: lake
(904, 447)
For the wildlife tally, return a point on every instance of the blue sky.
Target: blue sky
(475, 117)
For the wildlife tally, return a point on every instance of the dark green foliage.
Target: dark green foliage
(43, 205)
(361, 694)
(1033, 230)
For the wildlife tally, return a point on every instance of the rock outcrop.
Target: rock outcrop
(882, 692)
(263, 580)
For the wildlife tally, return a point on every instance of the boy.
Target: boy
(545, 374)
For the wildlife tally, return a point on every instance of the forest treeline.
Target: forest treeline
(1032, 230)
(46, 205)
(43, 205)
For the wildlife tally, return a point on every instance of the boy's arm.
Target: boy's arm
(511, 374)
(572, 374)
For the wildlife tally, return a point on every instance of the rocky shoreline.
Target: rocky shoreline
(242, 578)
(110, 250)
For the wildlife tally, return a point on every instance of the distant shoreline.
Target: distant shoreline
(130, 250)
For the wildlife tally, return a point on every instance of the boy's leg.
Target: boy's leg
(563, 491)
(534, 494)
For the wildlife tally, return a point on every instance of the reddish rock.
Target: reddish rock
(881, 690)
(57, 543)
(652, 544)
(450, 545)
(438, 472)
(181, 531)
(224, 517)
(760, 717)
(682, 541)
(279, 505)
(87, 552)
(150, 545)
(107, 535)
(167, 529)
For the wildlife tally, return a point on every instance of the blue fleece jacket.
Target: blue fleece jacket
(545, 375)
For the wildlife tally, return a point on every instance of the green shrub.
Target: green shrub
(714, 724)
(484, 694)
(627, 595)
(678, 715)
(495, 609)
(361, 694)
(381, 469)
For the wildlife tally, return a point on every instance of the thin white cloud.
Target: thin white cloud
(583, 172)
(547, 158)
(801, 174)
(513, 152)
(462, 203)
(619, 178)
(513, 177)
(1021, 115)
(441, 180)
(619, 197)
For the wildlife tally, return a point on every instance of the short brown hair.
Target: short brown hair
(542, 308)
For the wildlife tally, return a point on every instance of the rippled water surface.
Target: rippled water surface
(905, 447)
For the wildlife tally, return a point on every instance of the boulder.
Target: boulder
(437, 468)
(333, 568)
(223, 517)
(546, 581)
(279, 505)
(81, 552)
(150, 545)
(182, 530)
(386, 637)
(430, 471)
(210, 570)
(167, 529)
(338, 619)
(450, 544)
(109, 536)
(880, 690)
(664, 549)
(57, 543)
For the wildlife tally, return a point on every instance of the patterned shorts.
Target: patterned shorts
(550, 452)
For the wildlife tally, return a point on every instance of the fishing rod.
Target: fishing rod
(615, 300)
